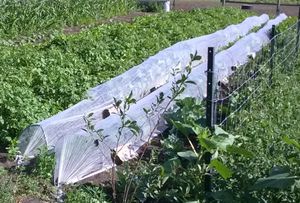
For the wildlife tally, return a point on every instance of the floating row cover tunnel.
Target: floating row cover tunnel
(140, 80)
(77, 156)
(95, 159)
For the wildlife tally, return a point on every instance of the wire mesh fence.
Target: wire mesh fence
(248, 82)
(228, 100)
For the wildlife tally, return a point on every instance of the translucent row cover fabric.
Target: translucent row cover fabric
(76, 160)
(140, 80)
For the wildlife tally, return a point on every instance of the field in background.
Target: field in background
(32, 17)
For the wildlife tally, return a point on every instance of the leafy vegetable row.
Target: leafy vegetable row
(25, 17)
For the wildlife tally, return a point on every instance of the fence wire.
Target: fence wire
(249, 81)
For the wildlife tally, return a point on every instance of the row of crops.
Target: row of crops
(29, 17)
(38, 80)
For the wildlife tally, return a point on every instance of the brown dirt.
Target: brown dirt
(125, 18)
(29, 200)
(5, 162)
(258, 8)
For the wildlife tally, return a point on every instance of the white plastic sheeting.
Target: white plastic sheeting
(152, 73)
(127, 145)
(76, 162)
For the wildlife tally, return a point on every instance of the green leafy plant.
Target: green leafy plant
(44, 164)
(13, 148)
(271, 116)
(129, 184)
(165, 176)
(17, 186)
(35, 17)
(151, 6)
(91, 194)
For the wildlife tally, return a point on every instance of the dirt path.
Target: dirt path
(188, 5)
(124, 18)
(259, 8)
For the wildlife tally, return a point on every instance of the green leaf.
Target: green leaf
(220, 131)
(191, 82)
(207, 143)
(9, 139)
(201, 132)
(146, 110)
(197, 58)
(280, 181)
(117, 103)
(171, 164)
(223, 170)
(297, 184)
(183, 128)
(241, 151)
(134, 128)
(279, 170)
(191, 56)
(1, 120)
(165, 179)
(223, 196)
(189, 155)
(90, 114)
(220, 141)
(292, 142)
(223, 141)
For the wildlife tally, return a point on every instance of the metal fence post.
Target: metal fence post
(298, 32)
(278, 8)
(223, 2)
(272, 53)
(209, 109)
(167, 6)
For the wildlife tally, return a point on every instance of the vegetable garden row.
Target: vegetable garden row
(21, 18)
(37, 81)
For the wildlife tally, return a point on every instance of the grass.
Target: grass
(17, 186)
(272, 116)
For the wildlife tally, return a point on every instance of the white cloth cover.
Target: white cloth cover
(71, 146)
(152, 73)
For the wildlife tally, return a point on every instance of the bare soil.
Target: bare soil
(5, 162)
(124, 18)
(29, 200)
(258, 8)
